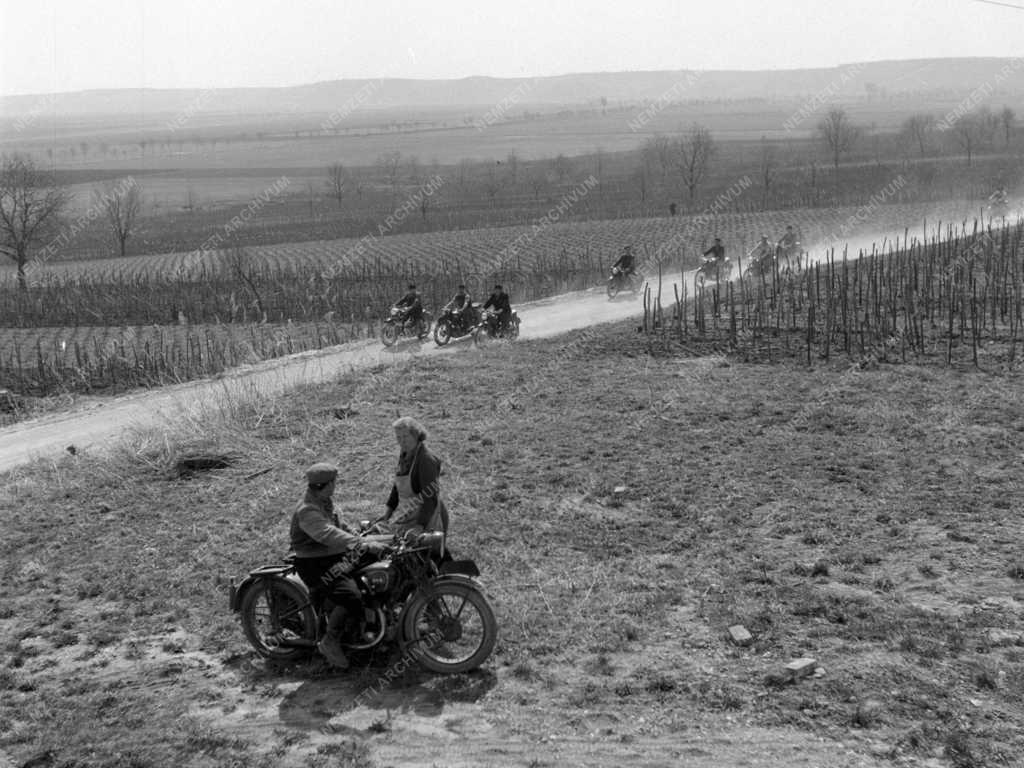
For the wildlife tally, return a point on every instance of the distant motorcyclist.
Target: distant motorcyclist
(412, 304)
(998, 200)
(788, 243)
(499, 302)
(626, 262)
(760, 252)
(716, 251)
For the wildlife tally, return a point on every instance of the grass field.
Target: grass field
(626, 509)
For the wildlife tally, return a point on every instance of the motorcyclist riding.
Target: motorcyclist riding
(998, 201)
(788, 244)
(411, 301)
(626, 261)
(762, 250)
(499, 302)
(460, 302)
(716, 251)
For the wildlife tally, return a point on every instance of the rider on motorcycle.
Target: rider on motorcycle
(788, 243)
(997, 200)
(626, 261)
(459, 303)
(716, 251)
(326, 553)
(499, 302)
(412, 303)
(761, 253)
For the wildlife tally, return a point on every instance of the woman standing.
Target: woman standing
(415, 504)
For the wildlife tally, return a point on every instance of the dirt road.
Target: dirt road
(100, 423)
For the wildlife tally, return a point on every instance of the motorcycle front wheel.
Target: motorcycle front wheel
(389, 334)
(423, 331)
(613, 289)
(278, 620)
(481, 335)
(450, 629)
(442, 333)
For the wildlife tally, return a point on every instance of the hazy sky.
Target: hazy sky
(64, 45)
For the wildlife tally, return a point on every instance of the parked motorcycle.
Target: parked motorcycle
(396, 325)
(432, 609)
(454, 325)
(713, 270)
(620, 280)
(489, 328)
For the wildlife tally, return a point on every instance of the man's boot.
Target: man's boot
(330, 645)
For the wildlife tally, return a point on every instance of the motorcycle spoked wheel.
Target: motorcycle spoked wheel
(513, 331)
(442, 333)
(423, 329)
(482, 336)
(273, 611)
(613, 289)
(389, 334)
(450, 628)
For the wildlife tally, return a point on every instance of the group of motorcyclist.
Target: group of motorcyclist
(787, 248)
(460, 305)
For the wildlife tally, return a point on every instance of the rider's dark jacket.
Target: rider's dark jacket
(500, 302)
(315, 530)
(459, 302)
(717, 251)
(411, 299)
(625, 262)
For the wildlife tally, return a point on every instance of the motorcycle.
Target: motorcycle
(489, 328)
(999, 208)
(619, 281)
(454, 325)
(759, 266)
(397, 325)
(433, 610)
(713, 270)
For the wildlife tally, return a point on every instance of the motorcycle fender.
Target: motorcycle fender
(237, 594)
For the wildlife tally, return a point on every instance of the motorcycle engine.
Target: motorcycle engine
(377, 577)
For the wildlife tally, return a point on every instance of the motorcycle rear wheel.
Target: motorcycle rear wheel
(450, 629)
(273, 612)
(389, 334)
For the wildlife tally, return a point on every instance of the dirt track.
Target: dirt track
(100, 423)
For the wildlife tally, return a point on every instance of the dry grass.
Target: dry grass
(867, 519)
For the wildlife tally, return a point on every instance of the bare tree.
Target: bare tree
(121, 207)
(969, 133)
(389, 164)
(493, 183)
(1007, 118)
(659, 149)
(30, 207)
(839, 134)
(241, 265)
(538, 183)
(769, 170)
(512, 168)
(562, 166)
(336, 183)
(694, 151)
(917, 128)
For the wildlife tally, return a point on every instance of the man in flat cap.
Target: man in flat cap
(326, 554)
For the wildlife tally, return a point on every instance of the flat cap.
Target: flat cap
(321, 473)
